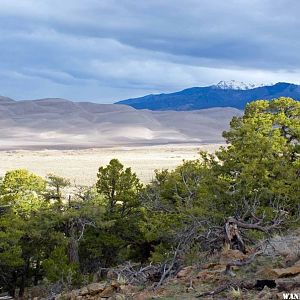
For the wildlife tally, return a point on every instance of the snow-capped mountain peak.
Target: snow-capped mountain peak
(236, 85)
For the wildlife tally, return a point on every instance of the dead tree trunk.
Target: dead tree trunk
(73, 251)
(73, 254)
(233, 239)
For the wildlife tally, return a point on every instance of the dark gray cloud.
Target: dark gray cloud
(104, 50)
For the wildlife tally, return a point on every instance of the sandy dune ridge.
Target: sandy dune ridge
(63, 124)
(72, 139)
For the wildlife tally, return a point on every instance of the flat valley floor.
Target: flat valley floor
(81, 166)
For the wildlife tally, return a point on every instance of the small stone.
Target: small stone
(286, 272)
(266, 272)
(95, 288)
(115, 284)
(108, 292)
(83, 291)
(74, 294)
(128, 289)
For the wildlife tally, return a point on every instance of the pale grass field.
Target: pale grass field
(81, 166)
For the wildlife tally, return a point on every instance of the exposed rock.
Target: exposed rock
(83, 291)
(268, 283)
(115, 284)
(109, 291)
(72, 295)
(279, 273)
(291, 271)
(128, 289)
(266, 272)
(95, 288)
(119, 297)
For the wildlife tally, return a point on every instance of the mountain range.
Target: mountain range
(60, 124)
(224, 94)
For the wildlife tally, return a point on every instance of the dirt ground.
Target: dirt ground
(81, 166)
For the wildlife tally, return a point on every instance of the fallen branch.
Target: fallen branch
(220, 289)
(167, 271)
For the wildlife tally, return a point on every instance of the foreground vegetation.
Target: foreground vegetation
(56, 235)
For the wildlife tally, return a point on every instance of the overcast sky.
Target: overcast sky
(106, 50)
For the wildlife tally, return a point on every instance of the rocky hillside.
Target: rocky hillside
(267, 275)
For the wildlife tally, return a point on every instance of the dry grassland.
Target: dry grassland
(81, 166)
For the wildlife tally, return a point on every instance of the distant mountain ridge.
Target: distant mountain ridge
(220, 95)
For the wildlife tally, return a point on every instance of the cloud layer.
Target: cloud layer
(106, 50)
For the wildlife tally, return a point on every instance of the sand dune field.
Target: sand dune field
(72, 139)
